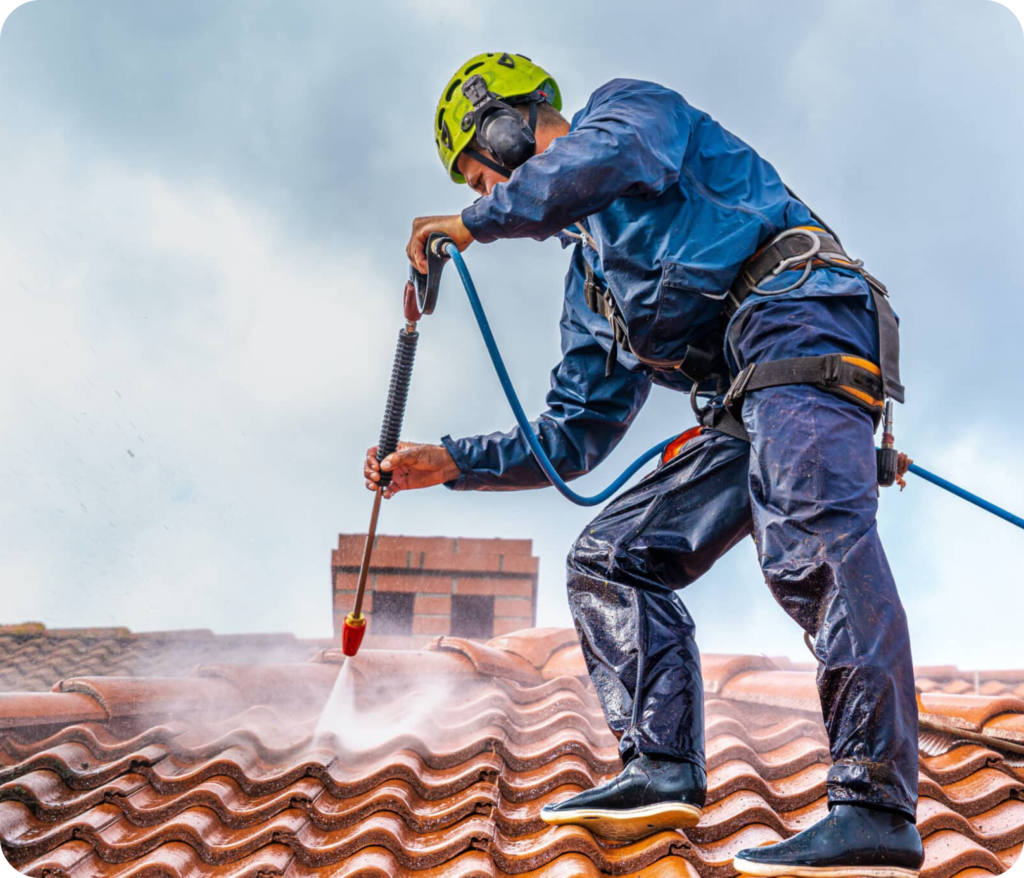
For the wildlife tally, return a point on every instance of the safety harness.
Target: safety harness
(853, 378)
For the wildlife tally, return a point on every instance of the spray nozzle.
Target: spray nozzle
(352, 633)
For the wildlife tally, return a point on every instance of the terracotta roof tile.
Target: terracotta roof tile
(947, 852)
(1011, 855)
(959, 762)
(33, 658)
(970, 711)
(973, 873)
(35, 708)
(240, 784)
(792, 690)
(1009, 726)
(131, 696)
(717, 670)
(536, 645)
(565, 662)
(490, 661)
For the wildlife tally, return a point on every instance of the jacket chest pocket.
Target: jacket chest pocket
(689, 301)
(699, 280)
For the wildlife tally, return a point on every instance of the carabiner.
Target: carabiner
(807, 257)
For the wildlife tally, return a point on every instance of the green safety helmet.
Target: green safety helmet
(507, 76)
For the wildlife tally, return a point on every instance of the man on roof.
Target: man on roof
(691, 262)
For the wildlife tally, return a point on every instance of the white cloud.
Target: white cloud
(961, 569)
(183, 379)
(152, 302)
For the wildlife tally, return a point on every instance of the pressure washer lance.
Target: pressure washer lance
(401, 373)
(420, 298)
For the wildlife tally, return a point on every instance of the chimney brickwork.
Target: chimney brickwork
(430, 586)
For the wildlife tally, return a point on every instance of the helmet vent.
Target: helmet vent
(472, 67)
(506, 60)
(451, 89)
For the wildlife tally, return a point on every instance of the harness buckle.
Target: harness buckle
(593, 294)
(831, 366)
(738, 386)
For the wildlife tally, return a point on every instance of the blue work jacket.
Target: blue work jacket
(665, 205)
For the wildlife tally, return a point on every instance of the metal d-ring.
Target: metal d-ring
(699, 412)
(807, 258)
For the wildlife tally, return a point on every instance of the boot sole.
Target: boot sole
(766, 870)
(631, 824)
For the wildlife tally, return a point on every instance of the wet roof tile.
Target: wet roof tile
(223, 773)
(33, 657)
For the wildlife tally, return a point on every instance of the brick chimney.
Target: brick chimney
(420, 587)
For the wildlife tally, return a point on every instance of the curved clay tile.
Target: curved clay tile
(789, 690)
(32, 709)
(536, 645)
(565, 662)
(51, 800)
(459, 794)
(972, 711)
(717, 670)
(491, 662)
(222, 795)
(947, 852)
(797, 790)
(959, 762)
(1011, 856)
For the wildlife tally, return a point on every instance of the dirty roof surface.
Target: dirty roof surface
(32, 656)
(223, 773)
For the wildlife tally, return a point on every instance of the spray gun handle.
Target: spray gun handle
(428, 284)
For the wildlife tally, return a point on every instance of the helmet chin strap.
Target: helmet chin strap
(487, 163)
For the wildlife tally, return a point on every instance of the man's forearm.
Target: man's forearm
(504, 461)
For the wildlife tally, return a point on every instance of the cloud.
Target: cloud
(204, 213)
(185, 366)
(960, 567)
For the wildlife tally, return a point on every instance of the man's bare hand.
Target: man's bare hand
(412, 466)
(423, 226)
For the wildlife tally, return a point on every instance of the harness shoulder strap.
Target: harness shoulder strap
(888, 338)
(600, 300)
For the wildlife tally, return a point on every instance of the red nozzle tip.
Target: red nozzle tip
(352, 633)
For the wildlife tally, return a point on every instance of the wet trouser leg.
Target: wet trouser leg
(809, 476)
(636, 635)
(814, 498)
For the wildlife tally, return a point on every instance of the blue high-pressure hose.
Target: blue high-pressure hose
(517, 409)
(964, 494)
(549, 470)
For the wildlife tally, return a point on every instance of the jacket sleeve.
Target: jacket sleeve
(587, 415)
(630, 140)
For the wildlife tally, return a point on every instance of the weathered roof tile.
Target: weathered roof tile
(242, 784)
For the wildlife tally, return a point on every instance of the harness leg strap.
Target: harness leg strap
(852, 378)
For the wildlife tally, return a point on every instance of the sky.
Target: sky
(204, 208)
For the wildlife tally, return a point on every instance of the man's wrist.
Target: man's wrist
(474, 219)
(462, 467)
(451, 471)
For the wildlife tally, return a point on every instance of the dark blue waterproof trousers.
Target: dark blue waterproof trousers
(805, 487)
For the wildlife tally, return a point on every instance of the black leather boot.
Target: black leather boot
(853, 841)
(648, 795)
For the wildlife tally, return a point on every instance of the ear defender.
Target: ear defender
(500, 129)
